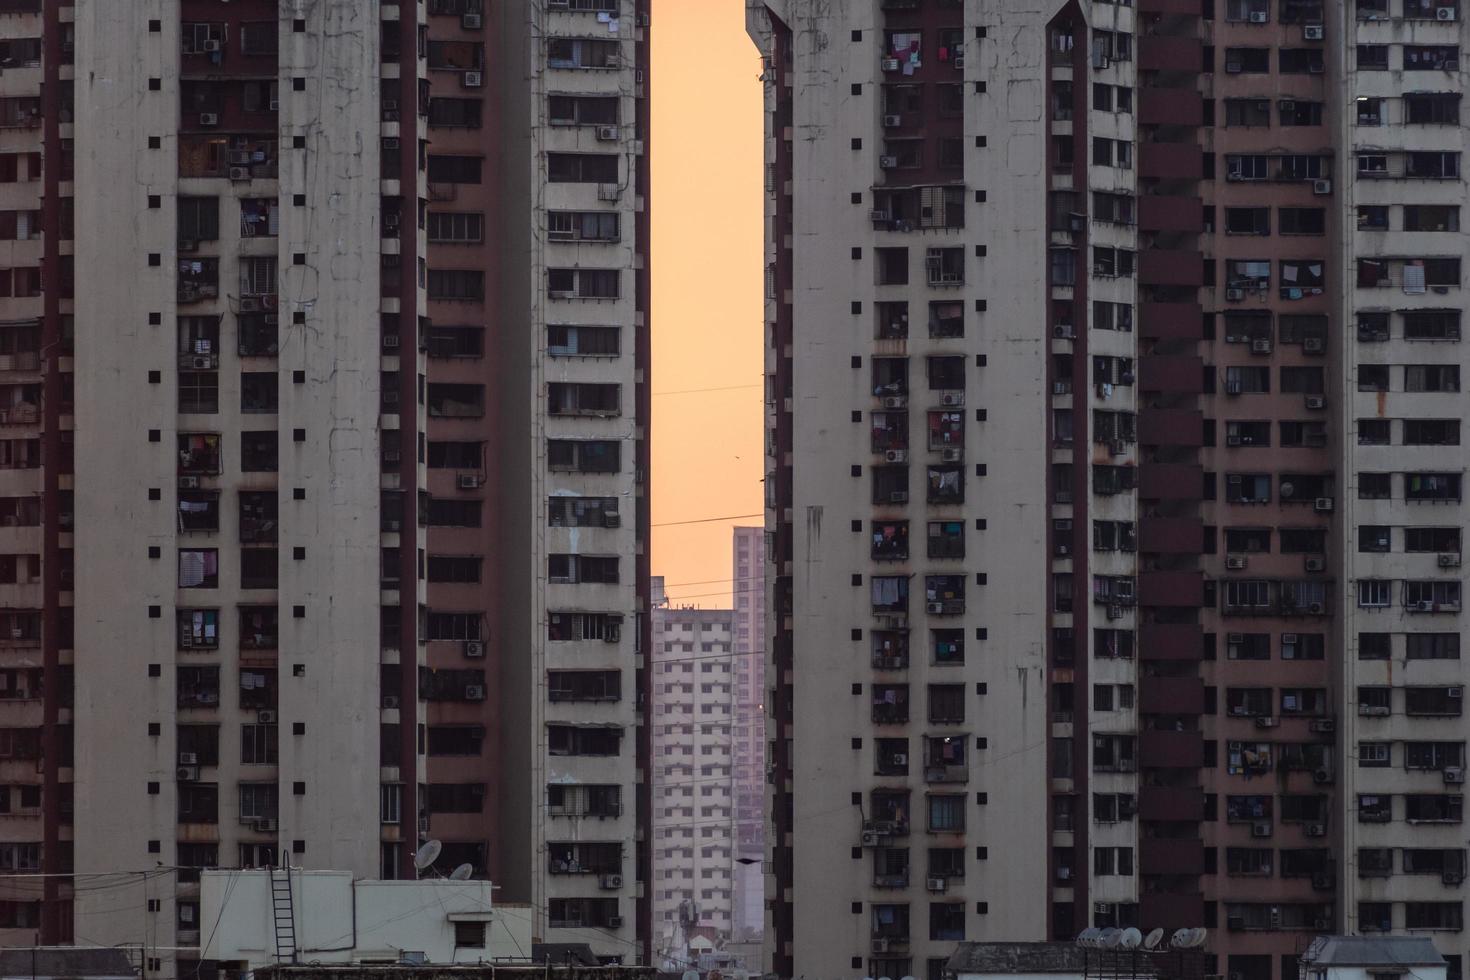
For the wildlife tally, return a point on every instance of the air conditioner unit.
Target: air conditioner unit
(1322, 505)
(472, 22)
(934, 608)
(1445, 13)
(238, 174)
(895, 456)
(1315, 563)
(188, 245)
(267, 825)
(1322, 777)
(1115, 612)
(880, 945)
(1100, 60)
(888, 64)
(950, 455)
(1258, 17)
(188, 758)
(609, 192)
(607, 133)
(1261, 828)
(390, 701)
(473, 79)
(209, 119)
(1454, 774)
(1455, 693)
(212, 45)
(953, 399)
(391, 143)
(1449, 560)
(1268, 722)
(1234, 295)
(612, 634)
(188, 483)
(1235, 562)
(272, 319)
(888, 163)
(187, 774)
(869, 838)
(935, 884)
(611, 519)
(392, 456)
(468, 481)
(1452, 877)
(1316, 401)
(1233, 67)
(898, 497)
(1312, 32)
(1321, 187)
(1261, 346)
(391, 341)
(959, 61)
(1232, 440)
(892, 120)
(1063, 331)
(895, 401)
(1373, 710)
(610, 882)
(474, 648)
(1287, 105)
(474, 692)
(265, 717)
(1325, 726)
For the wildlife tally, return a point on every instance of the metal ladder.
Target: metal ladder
(283, 909)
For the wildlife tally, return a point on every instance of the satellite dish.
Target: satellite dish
(1111, 937)
(1152, 940)
(1198, 937)
(885, 978)
(462, 873)
(909, 978)
(1131, 938)
(690, 975)
(1178, 939)
(427, 854)
(1088, 936)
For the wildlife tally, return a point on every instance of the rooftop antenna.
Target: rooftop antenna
(427, 854)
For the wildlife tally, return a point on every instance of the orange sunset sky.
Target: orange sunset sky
(707, 229)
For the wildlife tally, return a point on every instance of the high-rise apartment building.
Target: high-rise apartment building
(692, 712)
(1113, 359)
(748, 735)
(359, 311)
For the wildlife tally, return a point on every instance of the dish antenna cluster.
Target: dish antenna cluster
(1131, 938)
(428, 853)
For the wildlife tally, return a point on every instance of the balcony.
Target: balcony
(1172, 696)
(1170, 321)
(1170, 481)
(1165, 803)
(1172, 856)
(1170, 161)
(1171, 212)
(1170, 267)
(1171, 427)
(1179, 588)
(1171, 641)
(1170, 107)
(1171, 910)
(1182, 374)
(1182, 8)
(1171, 750)
(1172, 535)
(1162, 53)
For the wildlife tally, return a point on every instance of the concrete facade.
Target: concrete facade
(375, 299)
(1204, 399)
(749, 732)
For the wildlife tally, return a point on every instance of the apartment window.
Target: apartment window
(946, 704)
(198, 392)
(456, 227)
(582, 283)
(1298, 61)
(198, 803)
(946, 813)
(569, 52)
(1433, 808)
(1432, 646)
(454, 113)
(582, 168)
(583, 456)
(1302, 221)
(1432, 432)
(582, 341)
(456, 284)
(258, 745)
(1248, 60)
(1431, 217)
(1433, 755)
(1247, 112)
(566, 568)
(455, 169)
(456, 400)
(1432, 377)
(198, 568)
(1431, 596)
(1248, 221)
(1372, 57)
(198, 219)
(582, 226)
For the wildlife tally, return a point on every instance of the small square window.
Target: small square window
(298, 25)
(298, 788)
(469, 935)
(298, 200)
(298, 84)
(298, 493)
(154, 551)
(155, 200)
(155, 493)
(155, 142)
(155, 319)
(298, 142)
(155, 377)
(154, 847)
(155, 84)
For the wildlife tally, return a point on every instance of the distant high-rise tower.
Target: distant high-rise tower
(1114, 482)
(748, 732)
